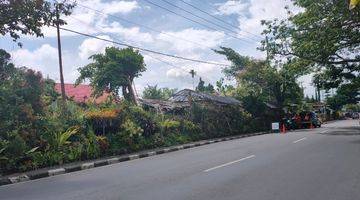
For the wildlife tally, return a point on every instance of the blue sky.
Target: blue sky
(177, 36)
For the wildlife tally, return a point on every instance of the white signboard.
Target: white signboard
(275, 126)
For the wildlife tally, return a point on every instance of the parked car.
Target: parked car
(308, 119)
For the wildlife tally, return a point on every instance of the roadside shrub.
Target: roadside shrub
(131, 134)
(217, 121)
(191, 129)
(74, 152)
(176, 138)
(154, 141)
(91, 146)
(103, 144)
(144, 119)
(103, 120)
(170, 126)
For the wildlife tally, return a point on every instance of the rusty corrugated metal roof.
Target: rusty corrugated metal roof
(196, 96)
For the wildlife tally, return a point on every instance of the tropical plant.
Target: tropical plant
(323, 37)
(28, 17)
(128, 138)
(170, 126)
(260, 83)
(92, 149)
(114, 69)
(61, 139)
(201, 87)
(153, 92)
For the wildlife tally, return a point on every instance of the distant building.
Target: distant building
(187, 95)
(183, 99)
(81, 93)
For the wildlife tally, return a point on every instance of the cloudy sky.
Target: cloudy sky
(140, 23)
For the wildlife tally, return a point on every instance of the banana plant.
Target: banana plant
(62, 138)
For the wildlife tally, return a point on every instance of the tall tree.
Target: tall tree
(112, 71)
(324, 36)
(224, 89)
(204, 88)
(21, 92)
(29, 16)
(153, 92)
(258, 80)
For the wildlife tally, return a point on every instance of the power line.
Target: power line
(138, 24)
(217, 18)
(177, 67)
(204, 19)
(144, 49)
(156, 58)
(194, 21)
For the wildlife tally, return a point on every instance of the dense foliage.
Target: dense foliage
(201, 87)
(153, 92)
(323, 37)
(28, 16)
(36, 132)
(114, 70)
(261, 87)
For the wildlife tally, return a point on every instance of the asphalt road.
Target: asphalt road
(317, 164)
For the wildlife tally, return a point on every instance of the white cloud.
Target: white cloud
(92, 46)
(45, 60)
(177, 73)
(84, 20)
(110, 7)
(45, 56)
(200, 39)
(207, 72)
(114, 7)
(231, 7)
(251, 13)
(132, 34)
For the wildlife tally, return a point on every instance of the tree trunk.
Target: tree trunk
(128, 92)
(132, 93)
(125, 93)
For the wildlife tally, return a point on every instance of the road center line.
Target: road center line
(229, 163)
(304, 138)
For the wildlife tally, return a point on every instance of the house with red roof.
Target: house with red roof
(81, 93)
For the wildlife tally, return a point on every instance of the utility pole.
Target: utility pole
(193, 73)
(62, 84)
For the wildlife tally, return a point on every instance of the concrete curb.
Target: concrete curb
(102, 162)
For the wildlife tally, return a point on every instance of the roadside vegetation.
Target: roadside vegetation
(38, 129)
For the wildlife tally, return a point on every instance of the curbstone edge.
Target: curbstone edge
(54, 172)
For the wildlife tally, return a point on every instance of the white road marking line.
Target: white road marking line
(299, 140)
(323, 131)
(229, 163)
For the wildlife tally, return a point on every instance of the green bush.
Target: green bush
(131, 134)
(142, 118)
(91, 146)
(176, 138)
(170, 126)
(192, 130)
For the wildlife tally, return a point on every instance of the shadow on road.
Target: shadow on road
(351, 130)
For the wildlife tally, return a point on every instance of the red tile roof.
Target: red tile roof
(81, 93)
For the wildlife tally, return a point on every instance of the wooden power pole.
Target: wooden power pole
(193, 73)
(62, 84)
